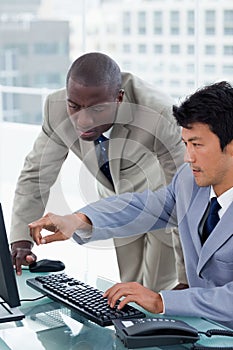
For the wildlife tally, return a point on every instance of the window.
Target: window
(228, 22)
(210, 22)
(48, 79)
(157, 22)
(10, 101)
(142, 23)
(158, 48)
(126, 20)
(210, 50)
(22, 49)
(191, 84)
(46, 48)
(175, 83)
(228, 50)
(228, 69)
(174, 22)
(190, 22)
(209, 68)
(175, 49)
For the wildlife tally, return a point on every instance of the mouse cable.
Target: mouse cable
(209, 333)
(34, 299)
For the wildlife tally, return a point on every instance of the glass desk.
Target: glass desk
(49, 326)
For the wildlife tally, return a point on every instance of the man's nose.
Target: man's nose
(83, 119)
(189, 156)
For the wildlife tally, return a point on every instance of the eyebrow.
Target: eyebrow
(68, 100)
(194, 138)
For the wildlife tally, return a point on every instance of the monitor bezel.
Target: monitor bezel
(8, 287)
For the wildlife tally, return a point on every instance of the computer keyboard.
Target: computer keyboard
(87, 301)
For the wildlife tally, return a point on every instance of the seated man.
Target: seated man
(199, 200)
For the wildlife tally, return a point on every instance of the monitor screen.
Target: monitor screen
(8, 286)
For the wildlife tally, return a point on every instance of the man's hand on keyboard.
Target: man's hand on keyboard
(62, 227)
(134, 292)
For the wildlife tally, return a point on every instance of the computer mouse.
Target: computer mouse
(46, 265)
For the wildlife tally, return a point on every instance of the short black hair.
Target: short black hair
(96, 69)
(211, 105)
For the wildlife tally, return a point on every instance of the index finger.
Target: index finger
(43, 222)
(57, 236)
(114, 293)
(37, 226)
(18, 266)
(35, 233)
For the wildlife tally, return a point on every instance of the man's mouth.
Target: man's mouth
(196, 171)
(87, 133)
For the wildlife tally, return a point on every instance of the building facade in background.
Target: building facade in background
(33, 53)
(178, 45)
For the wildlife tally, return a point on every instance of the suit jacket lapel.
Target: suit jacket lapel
(197, 210)
(118, 139)
(221, 233)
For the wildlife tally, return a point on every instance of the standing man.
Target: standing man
(144, 151)
(199, 200)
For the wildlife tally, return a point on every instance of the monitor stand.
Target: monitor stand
(8, 313)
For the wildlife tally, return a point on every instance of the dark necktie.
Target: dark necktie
(212, 219)
(102, 156)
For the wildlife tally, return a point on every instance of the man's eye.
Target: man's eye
(72, 106)
(98, 109)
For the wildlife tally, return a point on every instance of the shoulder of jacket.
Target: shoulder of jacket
(132, 81)
(144, 93)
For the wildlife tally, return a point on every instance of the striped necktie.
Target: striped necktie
(102, 155)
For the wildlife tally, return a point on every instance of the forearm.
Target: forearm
(179, 258)
(214, 303)
(33, 186)
(26, 208)
(126, 215)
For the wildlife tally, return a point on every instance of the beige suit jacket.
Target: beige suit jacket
(145, 150)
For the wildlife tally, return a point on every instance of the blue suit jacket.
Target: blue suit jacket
(209, 267)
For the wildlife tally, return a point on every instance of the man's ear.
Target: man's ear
(120, 95)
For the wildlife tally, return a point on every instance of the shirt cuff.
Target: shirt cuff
(163, 312)
(81, 236)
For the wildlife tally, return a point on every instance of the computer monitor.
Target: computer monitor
(9, 296)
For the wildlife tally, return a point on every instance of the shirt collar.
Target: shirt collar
(108, 132)
(224, 200)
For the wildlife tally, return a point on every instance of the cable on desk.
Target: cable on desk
(209, 333)
(203, 347)
(224, 332)
(4, 304)
(34, 299)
